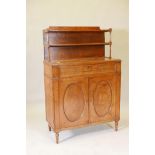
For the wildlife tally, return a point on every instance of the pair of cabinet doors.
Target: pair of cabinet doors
(87, 100)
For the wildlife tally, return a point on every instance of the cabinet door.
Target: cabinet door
(73, 102)
(102, 98)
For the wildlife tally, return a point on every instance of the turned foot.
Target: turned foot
(116, 125)
(57, 137)
(49, 128)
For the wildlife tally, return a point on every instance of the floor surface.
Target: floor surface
(93, 140)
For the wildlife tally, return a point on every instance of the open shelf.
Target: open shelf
(79, 44)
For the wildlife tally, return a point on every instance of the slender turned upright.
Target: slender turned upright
(57, 137)
(116, 125)
(49, 128)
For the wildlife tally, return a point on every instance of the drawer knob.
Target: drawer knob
(88, 68)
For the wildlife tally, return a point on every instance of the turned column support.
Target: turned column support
(116, 125)
(57, 137)
(49, 128)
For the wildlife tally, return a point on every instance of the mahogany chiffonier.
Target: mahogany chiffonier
(82, 84)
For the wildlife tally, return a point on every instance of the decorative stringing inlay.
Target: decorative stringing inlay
(102, 98)
(74, 102)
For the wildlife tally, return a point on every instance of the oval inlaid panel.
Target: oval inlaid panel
(73, 102)
(102, 98)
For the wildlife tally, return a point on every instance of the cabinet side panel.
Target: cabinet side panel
(118, 90)
(55, 86)
(49, 105)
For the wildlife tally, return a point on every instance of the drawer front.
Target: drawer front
(66, 71)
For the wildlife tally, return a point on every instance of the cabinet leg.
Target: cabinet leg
(57, 137)
(49, 128)
(116, 125)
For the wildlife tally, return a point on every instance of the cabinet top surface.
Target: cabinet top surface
(93, 60)
(71, 28)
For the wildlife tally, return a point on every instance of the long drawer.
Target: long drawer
(66, 71)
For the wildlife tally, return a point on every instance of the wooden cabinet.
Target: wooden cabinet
(82, 86)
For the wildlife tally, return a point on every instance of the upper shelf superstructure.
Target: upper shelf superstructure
(74, 42)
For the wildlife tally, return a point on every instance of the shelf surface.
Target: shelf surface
(80, 44)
